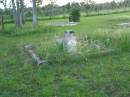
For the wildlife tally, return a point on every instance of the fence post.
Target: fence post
(2, 23)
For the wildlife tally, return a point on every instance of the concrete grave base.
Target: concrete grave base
(124, 24)
(62, 24)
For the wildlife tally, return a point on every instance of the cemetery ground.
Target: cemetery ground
(100, 68)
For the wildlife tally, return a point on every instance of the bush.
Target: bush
(75, 15)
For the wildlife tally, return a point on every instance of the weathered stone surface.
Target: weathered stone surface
(70, 42)
(34, 55)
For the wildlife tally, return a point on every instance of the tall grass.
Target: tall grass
(96, 70)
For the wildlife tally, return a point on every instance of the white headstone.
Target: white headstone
(70, 42)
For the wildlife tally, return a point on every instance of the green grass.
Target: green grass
(91, 72)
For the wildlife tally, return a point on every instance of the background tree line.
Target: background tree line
(87, 6)
(19, 12)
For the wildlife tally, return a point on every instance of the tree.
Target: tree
(35, 3)
(52, 3)
(75, 15)
(87, 6)
(68, 6)
(126, 3)
(18, 17)
(14, 11)
(2, 17)
(34, 13)
(2, 22)
(113, 4)
(22, 11)
(38, 2)
(18, 12)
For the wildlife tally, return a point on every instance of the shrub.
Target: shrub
(74, 15)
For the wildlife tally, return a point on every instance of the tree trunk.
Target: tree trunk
(14, 12)
(18, 17)
(22, 11)
(34, 13)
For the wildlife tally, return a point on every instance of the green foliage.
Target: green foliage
(74, 15)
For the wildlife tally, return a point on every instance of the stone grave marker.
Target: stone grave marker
(70, 42)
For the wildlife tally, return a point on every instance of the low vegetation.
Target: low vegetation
(100, 68)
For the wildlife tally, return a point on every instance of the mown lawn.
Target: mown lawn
(84, 74)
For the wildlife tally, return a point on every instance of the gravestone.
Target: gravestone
(70, 42)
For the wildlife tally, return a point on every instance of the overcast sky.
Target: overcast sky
(62, 2)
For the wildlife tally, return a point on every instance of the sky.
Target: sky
(63, 2)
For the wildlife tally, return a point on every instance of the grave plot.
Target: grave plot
(73, 44)
(90, 47)
(124, 21)
(124, 24)
(68, 49)
(76, 48)
(73, 19)
(62, 24)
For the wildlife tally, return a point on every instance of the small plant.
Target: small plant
(74, 15)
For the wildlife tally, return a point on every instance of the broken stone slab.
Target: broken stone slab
(34, 55)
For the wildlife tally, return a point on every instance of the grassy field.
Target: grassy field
(100, 68)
